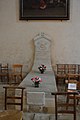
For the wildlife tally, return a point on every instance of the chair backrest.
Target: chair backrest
(71, 68)
(63, 106)
(4, 68)
(61, 68)
(17, 68)
(4, 72)
(11, 97)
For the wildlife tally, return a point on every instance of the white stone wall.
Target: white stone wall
(16, 44)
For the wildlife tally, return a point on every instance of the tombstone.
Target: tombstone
(42, 44)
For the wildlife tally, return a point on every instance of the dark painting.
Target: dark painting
(44, 9)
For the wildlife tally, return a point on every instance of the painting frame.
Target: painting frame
(58, 10)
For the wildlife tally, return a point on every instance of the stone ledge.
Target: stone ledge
(38, 116)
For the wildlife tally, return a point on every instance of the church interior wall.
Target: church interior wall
(16, 36)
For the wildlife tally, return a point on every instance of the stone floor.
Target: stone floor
(40, 116)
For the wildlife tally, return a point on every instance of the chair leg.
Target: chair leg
(77, 101)
(67, 101)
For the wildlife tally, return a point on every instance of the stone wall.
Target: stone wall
(16, 44)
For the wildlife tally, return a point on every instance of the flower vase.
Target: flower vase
(36, 84)
(42, 71)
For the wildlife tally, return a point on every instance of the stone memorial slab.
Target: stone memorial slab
(42, 51)
(42, 43)
(36, 98)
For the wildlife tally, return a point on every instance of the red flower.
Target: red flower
(36, 79)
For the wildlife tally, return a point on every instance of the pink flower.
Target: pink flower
(42, 67)
(36, 79)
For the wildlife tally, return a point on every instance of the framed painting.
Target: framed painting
(44, 9)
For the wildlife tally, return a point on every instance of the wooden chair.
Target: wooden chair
(61, 72)
(4, 72)
(10, 98)
(16, 74)
(73, 86)
(63, 106)
(72, 71)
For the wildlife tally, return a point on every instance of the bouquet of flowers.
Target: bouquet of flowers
(42, 68)
(36, 81)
